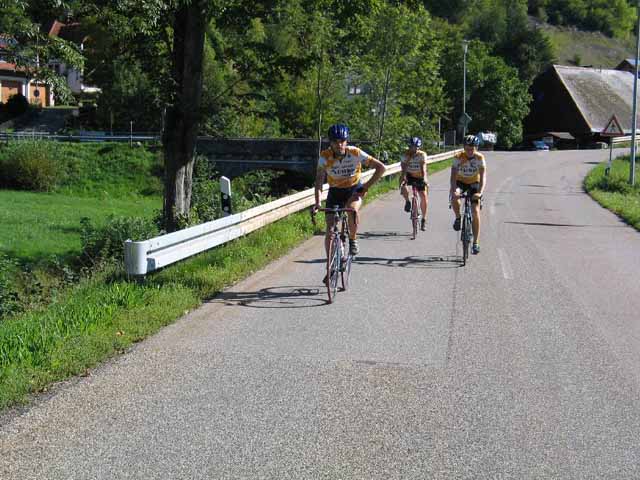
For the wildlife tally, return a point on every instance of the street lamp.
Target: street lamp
(465, 46)
(634, 118)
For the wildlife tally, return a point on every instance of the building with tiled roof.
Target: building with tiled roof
(15, 80)
(579, 101)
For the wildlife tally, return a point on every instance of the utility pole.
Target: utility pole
(634, 118)
(465, 46)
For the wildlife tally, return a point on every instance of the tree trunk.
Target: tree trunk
(181, 129)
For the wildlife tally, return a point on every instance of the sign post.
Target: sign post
(225, 196)
(613, 129)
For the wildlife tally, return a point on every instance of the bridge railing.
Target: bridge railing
(146, 256)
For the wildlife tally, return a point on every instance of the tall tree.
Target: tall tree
(181, 131)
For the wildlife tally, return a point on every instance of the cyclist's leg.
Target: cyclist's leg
(475, 216)
(424, 200)
(334, 197)
(476, 222)
(404, 191)
(327, 234)
(455, 205)
(455, 201)
(355, 203)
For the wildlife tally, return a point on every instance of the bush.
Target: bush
(100, 244)
(28, 166)
(17, 105)
(9, 297)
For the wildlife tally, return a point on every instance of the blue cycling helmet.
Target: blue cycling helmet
(338, 132)
(415, 142)
(471, 140)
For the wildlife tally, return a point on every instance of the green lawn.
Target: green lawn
(93, 181)
(38, 225)
(614, 192)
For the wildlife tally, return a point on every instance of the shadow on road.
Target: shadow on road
(275, 297)
(428, 261)
(545, 224)
(389, 236)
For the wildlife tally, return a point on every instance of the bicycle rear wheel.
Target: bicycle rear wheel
(333, 267)
(346, 272)
(414, 217)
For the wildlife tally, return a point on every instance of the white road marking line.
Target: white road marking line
(507, 272)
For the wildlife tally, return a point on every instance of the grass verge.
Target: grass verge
(39, 225)
(614, 192)
(102, 316)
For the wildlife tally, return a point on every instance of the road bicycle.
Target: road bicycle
(415, 215)
(339, 258)
(466, 229)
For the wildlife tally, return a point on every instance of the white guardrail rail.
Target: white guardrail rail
(627, 138)
(146, 256)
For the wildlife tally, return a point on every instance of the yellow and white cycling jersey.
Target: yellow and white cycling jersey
(469, 168)
(345, 172)
(413, 163)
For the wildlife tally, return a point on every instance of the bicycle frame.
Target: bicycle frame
(466, 232)
(415, 211)
(337, 261)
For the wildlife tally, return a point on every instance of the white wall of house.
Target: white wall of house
(73, 77)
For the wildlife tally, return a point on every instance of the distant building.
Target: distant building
(14, 80)
(576, 102)
(73, 33)
(627, 65)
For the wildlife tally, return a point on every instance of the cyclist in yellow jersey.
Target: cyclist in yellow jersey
(469, 173)
(414, 172)
(342, 165)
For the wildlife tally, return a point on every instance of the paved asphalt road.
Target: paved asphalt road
(525, 364)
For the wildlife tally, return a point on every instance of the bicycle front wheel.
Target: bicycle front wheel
(333, 267)
(414, 217)
(466, 238)
(346, 272)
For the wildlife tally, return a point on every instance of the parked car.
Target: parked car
(540, 145)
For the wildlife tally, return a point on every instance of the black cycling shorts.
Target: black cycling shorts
(472, 188)
(419, 183)
(340, 196)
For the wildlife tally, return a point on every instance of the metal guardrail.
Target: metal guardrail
(627, 138)
(146, 256)
(7, 136)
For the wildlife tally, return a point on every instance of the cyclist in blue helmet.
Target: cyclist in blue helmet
(469, 173)
(414, 172)
(342, 166)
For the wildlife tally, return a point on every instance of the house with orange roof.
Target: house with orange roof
(15, 79)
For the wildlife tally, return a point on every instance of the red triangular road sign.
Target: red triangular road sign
(613, 128)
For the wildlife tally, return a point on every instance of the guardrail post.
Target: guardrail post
(225, 196)
(135, 258)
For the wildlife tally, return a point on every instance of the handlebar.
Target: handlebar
(334, 210)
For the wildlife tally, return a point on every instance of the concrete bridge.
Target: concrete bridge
(235, 157)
